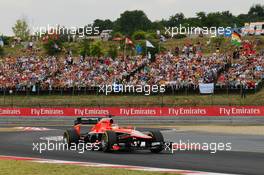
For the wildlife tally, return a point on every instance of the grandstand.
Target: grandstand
(37, 75)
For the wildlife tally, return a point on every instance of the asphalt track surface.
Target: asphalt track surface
(246, 156)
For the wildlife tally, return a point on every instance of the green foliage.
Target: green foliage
(7, 39)
(257, 12)
(72, 47)
(21, 29)
(63, 34)
(139, 35)
(152, 36)
(113, 52)
(179, 36)
(217, 19)
(85, 48)
(52, 47)
(103, 24)
(96, 49)
(176, 19)
(217, 41)
(131, 21)
(117, 35)
(2, 52)
(157, 25)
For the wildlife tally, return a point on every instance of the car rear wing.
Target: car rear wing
(87, 120)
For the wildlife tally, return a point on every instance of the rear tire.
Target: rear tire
(71, 136)
(108, 140)
(157, 137)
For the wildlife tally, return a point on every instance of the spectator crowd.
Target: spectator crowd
(179, 71)
(245, 71)
(52, 72)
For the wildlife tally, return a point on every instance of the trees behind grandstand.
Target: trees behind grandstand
(103, 24)
(85, 48)
(136, 25)
(130, 22)
(96, 49)
(113, 51)
(21, 29)
(88, 48)
(256, 13)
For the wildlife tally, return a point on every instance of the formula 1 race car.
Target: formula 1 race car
(111, 137)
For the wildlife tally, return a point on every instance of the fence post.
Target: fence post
(162, 102)
(38, 88)
(4, 95)
(73, 91)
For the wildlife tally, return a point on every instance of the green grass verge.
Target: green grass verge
(11, 167)
(130, 100)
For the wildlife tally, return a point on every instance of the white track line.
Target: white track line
(33, 128)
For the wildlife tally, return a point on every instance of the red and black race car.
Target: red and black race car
(111, 137)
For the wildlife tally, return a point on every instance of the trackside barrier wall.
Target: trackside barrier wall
(216, 111)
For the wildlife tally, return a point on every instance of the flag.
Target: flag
(128, 41)
(148, 44)
(138, 49)
(236, 39)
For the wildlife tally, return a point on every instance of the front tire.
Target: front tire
(108, 140)
(157, 137)
(71, 136)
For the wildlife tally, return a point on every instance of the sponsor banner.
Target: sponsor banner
(206, 88)
(128, 111)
